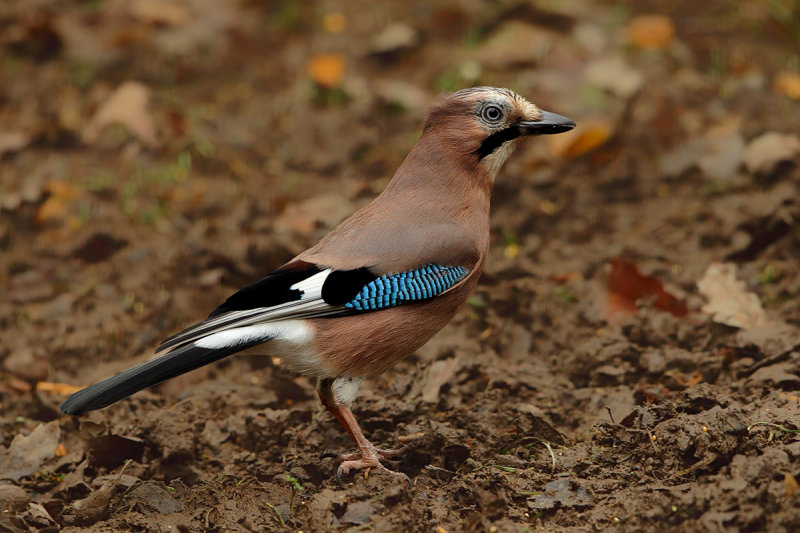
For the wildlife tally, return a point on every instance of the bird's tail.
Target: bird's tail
(174, 363)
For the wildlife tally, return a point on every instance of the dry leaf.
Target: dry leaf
(56, 207)
(729, 301)
(404, 93)
(59, 389)
(651, 31)
(788, 84)
(614, 75)
(723, 150)
(765, 151)
(588, 135)
(516, 43)
(439, 373)
(791, 484)
(159, 12)
(683, 158)
(27, 453)
(394, 37)
(327, 69)
(628, 288)
(334, 22)
(61, 451)
(325, 210)
(13, 141)
(128, 106)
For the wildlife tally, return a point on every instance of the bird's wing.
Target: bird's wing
(305, 290)
(299, 290)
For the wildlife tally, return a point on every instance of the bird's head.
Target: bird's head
(485, 123)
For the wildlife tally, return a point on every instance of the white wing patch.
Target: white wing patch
(309, 304)
(312, 287)
(292, 340)
(293, 331)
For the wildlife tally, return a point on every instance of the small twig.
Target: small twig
(277, 513)
(552, 455)
(769, 361)
(610, 415)
(652, 441)
(408, 438)
(438, 469)
(771, 425)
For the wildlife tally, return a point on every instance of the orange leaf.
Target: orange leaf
(627, 288)
(57, 203)
(61, 451)
(19, 385)
(791, 484)
(788, 84)
(334, 22)
(327, 69)
(60, 389)
(651, 31)
(589, 134)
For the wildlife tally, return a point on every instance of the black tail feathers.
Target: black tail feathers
(169, 365)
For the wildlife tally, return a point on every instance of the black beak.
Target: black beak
(549, 124)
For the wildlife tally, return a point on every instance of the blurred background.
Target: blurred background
(155, 155)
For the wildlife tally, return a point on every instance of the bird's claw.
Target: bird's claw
(367, 464)
(369, 459)
(382, 454)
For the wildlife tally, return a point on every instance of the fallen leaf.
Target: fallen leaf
(56, 207)
(161, 12)
(59, 389)
(403, 93)
(13, 141)
(614, 75)
(683, 157)
(439, 373)
(729, 301)
(515, 43)
(326, 210)
(61, 451)
(628, 289)
(38, 517)
(128, 106)
(27, 453)
(334, 22)
(588, 135)
(724, 146)
(765, 151)
(788, 84)
(791, 484)
(394, 37)
(20, 386)
(651, 31)
(327, 69)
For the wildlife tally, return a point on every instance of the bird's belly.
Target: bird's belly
(368, 344)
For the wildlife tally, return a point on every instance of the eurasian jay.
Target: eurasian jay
(378, 286)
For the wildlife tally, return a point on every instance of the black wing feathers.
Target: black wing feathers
(274, 289)
(341, 286)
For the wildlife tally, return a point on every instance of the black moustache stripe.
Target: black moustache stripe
(496, 140)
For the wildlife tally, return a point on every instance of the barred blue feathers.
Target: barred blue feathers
(406, 287)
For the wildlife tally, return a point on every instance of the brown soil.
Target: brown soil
(532, 410)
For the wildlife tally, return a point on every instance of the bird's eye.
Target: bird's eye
(492, 113)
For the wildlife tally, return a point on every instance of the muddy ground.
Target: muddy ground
(156, 156)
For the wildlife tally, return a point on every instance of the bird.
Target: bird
(379, 285)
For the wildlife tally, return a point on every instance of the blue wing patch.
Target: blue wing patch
(406, 287)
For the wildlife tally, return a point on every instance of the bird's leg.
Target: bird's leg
(337, 395)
